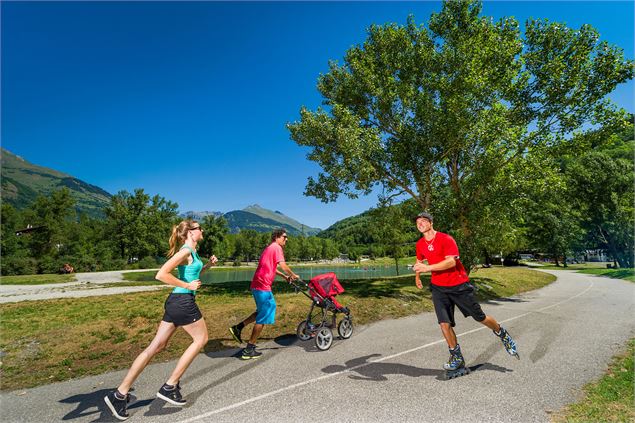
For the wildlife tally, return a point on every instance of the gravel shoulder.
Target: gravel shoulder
(87, 284)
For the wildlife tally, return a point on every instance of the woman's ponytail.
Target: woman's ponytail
(179, 235)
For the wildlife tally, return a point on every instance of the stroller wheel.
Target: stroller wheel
(324, 338)
(345, 328)
(303, 333)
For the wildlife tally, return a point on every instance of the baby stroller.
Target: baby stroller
(321, 290)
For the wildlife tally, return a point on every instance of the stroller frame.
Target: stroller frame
(318, 323)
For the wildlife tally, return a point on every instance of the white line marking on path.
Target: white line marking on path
(379, 360)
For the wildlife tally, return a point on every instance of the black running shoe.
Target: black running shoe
(236, 333)
(118, 407)
(172, 394)
(250, 353)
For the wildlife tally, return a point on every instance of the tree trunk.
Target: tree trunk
(488, 259)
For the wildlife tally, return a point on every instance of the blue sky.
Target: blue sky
(189, 100)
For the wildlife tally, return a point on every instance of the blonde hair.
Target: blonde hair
(179, 235)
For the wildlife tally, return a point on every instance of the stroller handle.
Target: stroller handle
(306, 286)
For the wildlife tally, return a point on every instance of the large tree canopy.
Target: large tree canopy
(443, 110)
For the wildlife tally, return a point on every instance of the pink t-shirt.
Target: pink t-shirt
(266, 271)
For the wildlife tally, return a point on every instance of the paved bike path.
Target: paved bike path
(388, 371)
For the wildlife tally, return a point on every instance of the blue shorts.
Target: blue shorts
(265, 307)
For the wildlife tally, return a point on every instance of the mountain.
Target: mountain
(264, 220)
(22, 182)
(199, 215)
(286, 221)
(354, 228)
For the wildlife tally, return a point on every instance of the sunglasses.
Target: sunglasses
(198, 227)
(285, 237)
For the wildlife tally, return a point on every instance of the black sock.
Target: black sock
(168, 387)
(119, 395)
(250, 346)
(240, 326)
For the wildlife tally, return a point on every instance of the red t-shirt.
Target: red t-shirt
(266, 271)
(435, 251)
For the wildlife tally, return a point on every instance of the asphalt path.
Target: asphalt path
(388, 371)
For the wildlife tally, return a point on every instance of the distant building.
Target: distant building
(28, 229)
(595, 256)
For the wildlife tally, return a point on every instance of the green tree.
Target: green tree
(55, 213)
(604, 192)
(216, 231)
(139, 224)
(11, 221)
(329, 249)
(555, 224)
(248, 245)
(449, 107)
(393, 230)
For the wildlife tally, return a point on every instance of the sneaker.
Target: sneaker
(236, 333)
(508, 342)
(118, 407)
(250, 353)
(171, 394)
(456, 360)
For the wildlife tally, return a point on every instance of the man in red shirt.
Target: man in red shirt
(450, 287)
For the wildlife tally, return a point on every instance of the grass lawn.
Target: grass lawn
(626, 274)
(579, 266)
(609, 399)
(599, 269)
(55, 340)
(35, 279)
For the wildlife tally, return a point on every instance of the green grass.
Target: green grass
(35, 279)
(594, 268)
(579, 266)
(626, 274)
(609, 399)
(55, 340)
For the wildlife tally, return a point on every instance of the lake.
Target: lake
(306, 273)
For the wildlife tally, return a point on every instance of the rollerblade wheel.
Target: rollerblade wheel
(451, 374)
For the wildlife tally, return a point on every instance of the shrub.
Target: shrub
(147, 263)
(48, 265)
(18, 266)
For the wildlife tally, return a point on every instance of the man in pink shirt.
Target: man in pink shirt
(265, 313)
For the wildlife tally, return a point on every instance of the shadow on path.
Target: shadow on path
(93, 403)
(373, 371)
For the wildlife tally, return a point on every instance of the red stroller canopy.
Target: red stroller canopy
(326, 285)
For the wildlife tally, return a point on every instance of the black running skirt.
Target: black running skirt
(181, 309)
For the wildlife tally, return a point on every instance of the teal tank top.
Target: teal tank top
(189, 273)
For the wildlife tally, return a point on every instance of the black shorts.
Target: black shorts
(181, 309)
(462, 296)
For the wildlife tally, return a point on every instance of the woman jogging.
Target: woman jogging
(180, 310)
